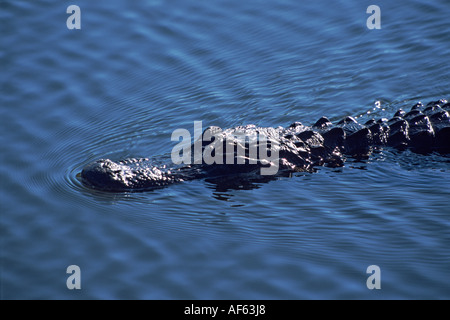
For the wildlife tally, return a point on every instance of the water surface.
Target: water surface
(136, 72)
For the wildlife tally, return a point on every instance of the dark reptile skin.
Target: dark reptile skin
(423, 129)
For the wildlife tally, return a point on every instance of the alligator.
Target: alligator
(424, 129)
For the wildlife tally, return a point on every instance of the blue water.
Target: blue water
(134, 73)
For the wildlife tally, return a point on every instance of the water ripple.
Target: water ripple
(137, 71)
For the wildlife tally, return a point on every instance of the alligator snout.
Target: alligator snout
(102, 174)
